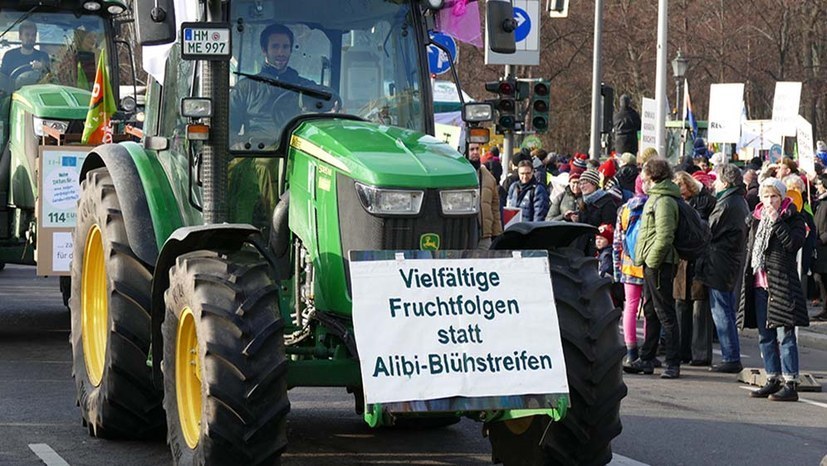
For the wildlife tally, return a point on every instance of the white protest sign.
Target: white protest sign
(725, 109)
(758, 134)
(435, 328)
(648, 124)
(449, 134)
(61, 191)
(785, 105)
(806, 148)
(62, 247)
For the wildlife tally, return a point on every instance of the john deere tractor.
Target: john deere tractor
(211, 268)
(49, 50)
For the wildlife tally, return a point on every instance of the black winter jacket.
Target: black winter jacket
(724, 259)
(820, 263)
(703, 202)
(786, 306)
(600, 211)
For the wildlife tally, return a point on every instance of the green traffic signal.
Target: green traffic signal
(540, 106)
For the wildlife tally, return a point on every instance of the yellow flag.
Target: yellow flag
(97, 130)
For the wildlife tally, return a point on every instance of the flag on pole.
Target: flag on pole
(97, 130)
(688, 114)
(83, 81)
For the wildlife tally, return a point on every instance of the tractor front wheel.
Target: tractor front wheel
(593, 353)
(225, 370)
(109, 305)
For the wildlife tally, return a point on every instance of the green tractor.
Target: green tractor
(211, 268)
(49, 51)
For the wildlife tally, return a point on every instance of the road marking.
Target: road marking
(620, 460)
(803, 400)
(47, 455)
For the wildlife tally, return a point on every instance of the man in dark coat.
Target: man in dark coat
(720, 267)
(751, 182)
(626, 125)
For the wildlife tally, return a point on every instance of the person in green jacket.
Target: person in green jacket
(655, 251)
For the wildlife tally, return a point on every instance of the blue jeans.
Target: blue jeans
(778, 359)
(723, 314)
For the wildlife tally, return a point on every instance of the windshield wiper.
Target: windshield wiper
(19, 20)
(319, 94)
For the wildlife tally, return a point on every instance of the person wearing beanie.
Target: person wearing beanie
(628, 172)
(719, 267)
(655, 251)
(578, 163)
(597, 206)
(772, 298)
(647, 154)
(564, 205)
(608, 168)
(703, 177)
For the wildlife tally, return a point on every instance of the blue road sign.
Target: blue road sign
(438, 61)
(523, 24)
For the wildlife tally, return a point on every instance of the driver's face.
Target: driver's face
(278, 51)
(27, 38)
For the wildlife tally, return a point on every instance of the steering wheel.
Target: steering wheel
(27, 68)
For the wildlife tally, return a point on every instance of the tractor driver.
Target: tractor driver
(260, 107)
(26, 54)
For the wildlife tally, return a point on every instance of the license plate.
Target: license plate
(206, 41)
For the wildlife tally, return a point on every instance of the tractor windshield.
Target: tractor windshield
(49, 47)
(359, 57)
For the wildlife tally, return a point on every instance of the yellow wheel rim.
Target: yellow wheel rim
(94, 310)
(188, 378)
(520, 425)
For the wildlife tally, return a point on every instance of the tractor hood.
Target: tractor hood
(382, 155)
(53, 101)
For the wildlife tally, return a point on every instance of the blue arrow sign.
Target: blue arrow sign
(438, 61)
(523, 24)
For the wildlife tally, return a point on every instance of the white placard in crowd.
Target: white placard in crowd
(785, 105)
(648, 124)
(428, 329)
(806, 148)
(725, 108)
(758, 134)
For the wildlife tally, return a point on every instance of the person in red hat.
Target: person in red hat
(608, 168)
(603, 242)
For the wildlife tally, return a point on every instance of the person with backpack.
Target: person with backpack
(625, 270)
(656, 252)
(721, 266)
(531, 197)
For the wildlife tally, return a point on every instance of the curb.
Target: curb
(806, 338)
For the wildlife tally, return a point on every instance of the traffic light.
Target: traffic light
(505, 103)
(540, 106)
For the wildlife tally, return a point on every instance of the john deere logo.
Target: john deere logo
(429, 242)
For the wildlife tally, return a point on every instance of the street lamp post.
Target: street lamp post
(679, 65)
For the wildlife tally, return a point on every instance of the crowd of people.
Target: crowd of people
(766, 253)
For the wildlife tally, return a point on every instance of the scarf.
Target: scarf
(762, 240)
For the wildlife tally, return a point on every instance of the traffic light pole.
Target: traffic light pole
(508, 137)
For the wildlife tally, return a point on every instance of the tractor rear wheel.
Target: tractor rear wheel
(594, 353)
(109, 307)
(225, 370)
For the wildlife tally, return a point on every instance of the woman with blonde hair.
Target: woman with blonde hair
(691, 300)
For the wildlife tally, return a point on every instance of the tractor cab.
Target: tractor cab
(362, 58)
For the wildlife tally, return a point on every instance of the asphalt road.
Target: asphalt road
(703, 418)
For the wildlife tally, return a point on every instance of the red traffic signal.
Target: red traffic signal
(541, 89)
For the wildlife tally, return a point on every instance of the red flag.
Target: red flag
(97, 129)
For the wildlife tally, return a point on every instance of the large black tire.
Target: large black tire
(66, 289)
(594, 352)
(226, 306)
(121, 402)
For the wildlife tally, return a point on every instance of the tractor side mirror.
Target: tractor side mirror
(500, 25)
(155, 22)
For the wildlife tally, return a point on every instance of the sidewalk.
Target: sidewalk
(814, 336)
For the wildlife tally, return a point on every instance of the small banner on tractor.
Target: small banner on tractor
(457, 330)
(97, 129)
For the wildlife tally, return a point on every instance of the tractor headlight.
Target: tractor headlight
(389, 201)
(460, 202)
(60, 126)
